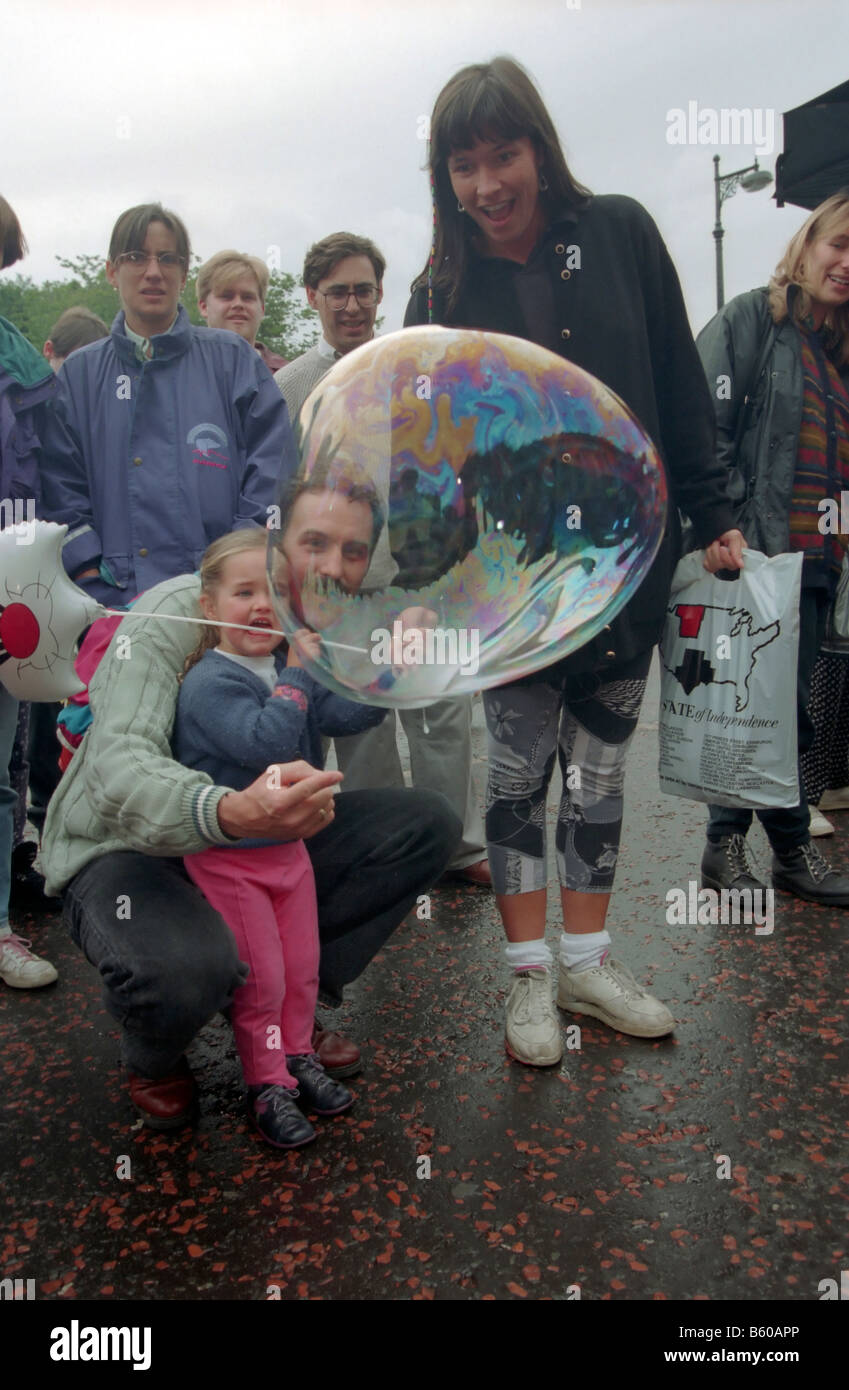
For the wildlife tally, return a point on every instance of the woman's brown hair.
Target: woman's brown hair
(487, 101)
(130, 231)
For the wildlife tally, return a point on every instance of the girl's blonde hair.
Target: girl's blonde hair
(825, 220)
(212, 568)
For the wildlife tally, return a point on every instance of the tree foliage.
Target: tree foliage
(289, 326)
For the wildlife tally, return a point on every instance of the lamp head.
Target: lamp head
(756, 179)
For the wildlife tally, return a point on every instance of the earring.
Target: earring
(460, 207)
(543, 184)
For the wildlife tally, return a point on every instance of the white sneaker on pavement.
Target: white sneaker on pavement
(532, 1033)
(20, 968)
(610, 992)
(835, 799)
(820, 825)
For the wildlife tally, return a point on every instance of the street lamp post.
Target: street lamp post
(752, 178)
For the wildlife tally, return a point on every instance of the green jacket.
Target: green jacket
(123, 790)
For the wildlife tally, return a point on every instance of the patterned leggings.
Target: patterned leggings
(589, 727)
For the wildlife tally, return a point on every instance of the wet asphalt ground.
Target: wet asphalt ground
(711, 1165)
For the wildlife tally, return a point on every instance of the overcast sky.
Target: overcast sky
(269, 125)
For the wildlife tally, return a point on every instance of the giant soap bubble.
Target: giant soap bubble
(469, 508)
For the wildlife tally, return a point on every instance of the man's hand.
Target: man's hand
(289, 801)
(726, 552)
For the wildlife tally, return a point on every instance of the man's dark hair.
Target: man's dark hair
(322, 479)
(325, 254)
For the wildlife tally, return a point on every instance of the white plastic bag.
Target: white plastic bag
(729, 656)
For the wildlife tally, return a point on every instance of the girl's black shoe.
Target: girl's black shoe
(316, 1090)
(274, 1112)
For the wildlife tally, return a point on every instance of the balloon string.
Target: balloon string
(208, 622)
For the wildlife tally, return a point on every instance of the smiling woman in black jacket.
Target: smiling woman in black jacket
(520, 247)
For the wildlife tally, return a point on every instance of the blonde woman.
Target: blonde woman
(783, 435)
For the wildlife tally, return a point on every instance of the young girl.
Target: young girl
(243, 706)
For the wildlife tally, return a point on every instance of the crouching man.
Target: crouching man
(125, 813)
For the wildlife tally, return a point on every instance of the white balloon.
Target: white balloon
(42, 613)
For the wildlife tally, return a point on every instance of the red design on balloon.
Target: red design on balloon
(19, 630)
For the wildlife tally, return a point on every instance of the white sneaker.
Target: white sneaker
(532, 1033)
(835, 799)
(611, 993)
(20, 968)
(819, 824)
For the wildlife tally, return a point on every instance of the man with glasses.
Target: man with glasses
(164, 436)
(343, 279)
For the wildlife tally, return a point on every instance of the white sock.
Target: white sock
(525, 955)
(582, 950)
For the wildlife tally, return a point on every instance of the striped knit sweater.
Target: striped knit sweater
(822, 461)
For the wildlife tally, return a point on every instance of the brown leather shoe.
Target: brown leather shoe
(165, 1102)
(478, 874)
(339, 1056)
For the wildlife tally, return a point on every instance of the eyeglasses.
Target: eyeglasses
(338, 296)
(137, 260)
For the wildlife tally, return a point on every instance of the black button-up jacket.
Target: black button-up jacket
(600, 289)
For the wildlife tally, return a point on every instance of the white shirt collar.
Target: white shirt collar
(263, 666)
(144, 350)
(325, 350)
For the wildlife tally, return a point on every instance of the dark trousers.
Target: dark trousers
(44, 750)
(169, 962)
(786, 827)
(19, 771)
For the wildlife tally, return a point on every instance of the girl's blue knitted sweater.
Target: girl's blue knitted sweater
(229, 726)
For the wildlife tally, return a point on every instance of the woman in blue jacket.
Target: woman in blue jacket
(163, 436)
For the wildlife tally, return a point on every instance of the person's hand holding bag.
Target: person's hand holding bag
(726, 552)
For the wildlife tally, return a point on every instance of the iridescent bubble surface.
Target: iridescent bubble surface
(469, 508)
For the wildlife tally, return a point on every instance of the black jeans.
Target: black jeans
(169, 962)
(786, 827)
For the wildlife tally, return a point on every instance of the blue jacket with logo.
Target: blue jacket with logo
(149, 463)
